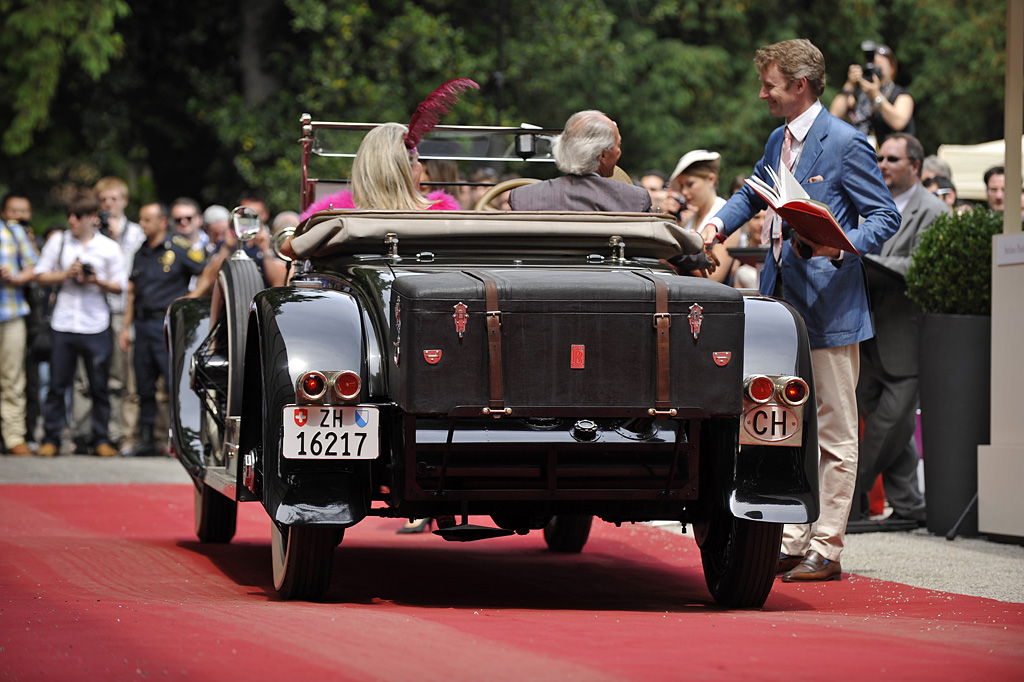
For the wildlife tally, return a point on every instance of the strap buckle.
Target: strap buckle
(659, 316)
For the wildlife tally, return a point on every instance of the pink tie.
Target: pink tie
(787, 149)
(772, 229)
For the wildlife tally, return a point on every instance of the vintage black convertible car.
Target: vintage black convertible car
(539, 369)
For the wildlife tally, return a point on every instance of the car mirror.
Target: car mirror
(245, 223)
(278, 239)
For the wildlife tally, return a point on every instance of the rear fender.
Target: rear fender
(773, 483)
(293, 330)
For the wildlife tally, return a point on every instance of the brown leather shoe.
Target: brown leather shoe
(814, 569)
(48, 450)
(20, 450)
(106, 450)
(787, 562)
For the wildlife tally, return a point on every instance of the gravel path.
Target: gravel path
(971, 566)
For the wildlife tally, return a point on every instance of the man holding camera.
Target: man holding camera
(84, 266)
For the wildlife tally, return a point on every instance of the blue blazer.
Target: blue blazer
(833, 301)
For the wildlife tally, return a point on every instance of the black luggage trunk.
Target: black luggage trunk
(567, 340)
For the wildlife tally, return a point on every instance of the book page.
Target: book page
(789, 187)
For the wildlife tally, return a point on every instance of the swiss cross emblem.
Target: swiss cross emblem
(301, 415)
(577, 356)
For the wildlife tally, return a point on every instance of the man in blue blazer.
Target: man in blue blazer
(836, 166)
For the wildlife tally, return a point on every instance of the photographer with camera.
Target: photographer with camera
(870, 100)
(83, 266)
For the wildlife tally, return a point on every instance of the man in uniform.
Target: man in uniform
(163, 267)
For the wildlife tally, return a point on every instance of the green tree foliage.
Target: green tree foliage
(204, 98)
(37, 39)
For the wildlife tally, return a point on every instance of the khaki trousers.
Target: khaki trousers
(835, 387)
(12, 381)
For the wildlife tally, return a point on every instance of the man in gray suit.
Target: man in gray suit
(887, 393)
(586, 151)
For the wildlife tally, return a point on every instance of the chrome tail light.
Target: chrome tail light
(759, 388)
(312, 386)
(794, 390)
(346, 386)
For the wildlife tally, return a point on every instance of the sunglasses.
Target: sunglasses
(942, 192)
(890, 159)
(185, 219)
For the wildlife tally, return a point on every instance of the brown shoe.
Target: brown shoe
(20, 450)
(814, 569)
(105, 450)
(787, 562)
(48, 450)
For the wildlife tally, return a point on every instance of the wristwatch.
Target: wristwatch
(879, 100)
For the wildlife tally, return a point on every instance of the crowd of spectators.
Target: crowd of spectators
(81, 314)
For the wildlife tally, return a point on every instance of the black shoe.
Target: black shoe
(146, 445)
(894, 523)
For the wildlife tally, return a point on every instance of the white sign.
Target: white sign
(1010, 248)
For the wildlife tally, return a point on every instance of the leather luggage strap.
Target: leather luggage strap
(662, 325)
(496, 404)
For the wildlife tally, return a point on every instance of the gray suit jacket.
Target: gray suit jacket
(896, 318)
(581, 193)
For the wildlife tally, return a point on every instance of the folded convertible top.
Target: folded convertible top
(356, 231)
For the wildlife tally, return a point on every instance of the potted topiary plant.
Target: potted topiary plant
(950, 277)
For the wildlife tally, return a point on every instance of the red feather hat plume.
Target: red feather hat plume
(436, 105)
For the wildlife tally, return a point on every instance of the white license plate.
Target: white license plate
(771, 424)
(334, 432)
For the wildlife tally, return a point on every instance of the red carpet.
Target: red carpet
(107, 582)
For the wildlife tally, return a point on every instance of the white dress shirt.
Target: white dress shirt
(82, 308)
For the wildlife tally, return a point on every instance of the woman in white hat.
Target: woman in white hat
(695, 179)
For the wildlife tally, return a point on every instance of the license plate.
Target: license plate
(771, 424)
(334, 432)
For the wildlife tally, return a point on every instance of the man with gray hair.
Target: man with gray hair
(586, 151)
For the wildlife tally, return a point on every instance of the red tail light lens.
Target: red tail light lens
(795, 391)
(312, 386)
(346, 385)
(760, 389)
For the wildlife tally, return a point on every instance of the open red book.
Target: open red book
(811, 219)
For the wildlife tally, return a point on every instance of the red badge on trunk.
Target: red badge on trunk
(432, 356)
(577, 356)
(722, 357)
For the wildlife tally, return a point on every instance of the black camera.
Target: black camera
(869, 47)
(104, 222)
(87, 270)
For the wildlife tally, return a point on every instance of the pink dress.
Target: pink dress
(343, 199)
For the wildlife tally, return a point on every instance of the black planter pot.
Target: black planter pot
(956, 357)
